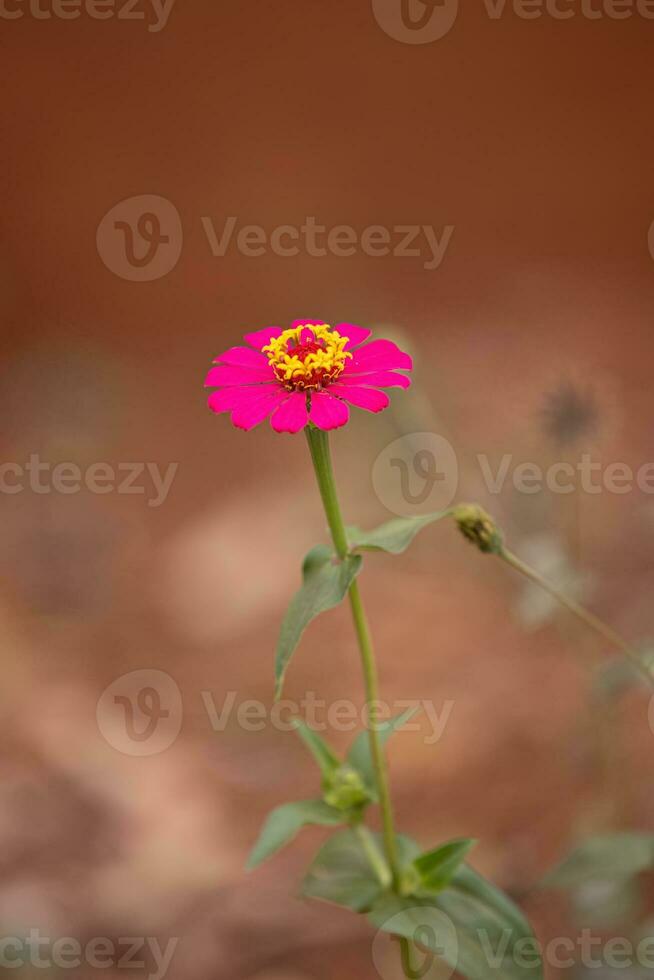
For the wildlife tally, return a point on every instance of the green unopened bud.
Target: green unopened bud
(344, 789)
(410, 881)
(479, 527)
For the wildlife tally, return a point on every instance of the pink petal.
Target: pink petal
(242, 357)
(356, 335)
(379, 355)
(292, 415)
(369, 398)
(377, 379)
(227, 375)
(227, 399)
(260, 338)
(257, 406)
(328, 412)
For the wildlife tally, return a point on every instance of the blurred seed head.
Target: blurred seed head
(570, 414)
(479, 528)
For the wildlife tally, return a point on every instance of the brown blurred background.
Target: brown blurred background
(533, 139)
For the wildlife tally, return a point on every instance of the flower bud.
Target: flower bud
(344, 789)
(479, 527)
(410, 881)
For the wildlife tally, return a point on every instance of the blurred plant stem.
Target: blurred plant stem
(376, 860)
(410, 972)
(589, 618)
(322, 463)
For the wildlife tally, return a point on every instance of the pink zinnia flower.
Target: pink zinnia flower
(309, 372)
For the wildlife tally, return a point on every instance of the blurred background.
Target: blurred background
(142, 585)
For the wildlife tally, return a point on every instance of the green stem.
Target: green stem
(320, 454)
(376, 751)
(584, 615)
(322, 463)
(376, 860)
(411, 972)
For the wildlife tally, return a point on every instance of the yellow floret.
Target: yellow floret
(316, 366)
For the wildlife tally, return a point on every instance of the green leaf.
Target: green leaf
(325, 582)
(359, 755)
(283, 824)
(318, 748)
(393, 537)
(472, 925)
(436, 868)
(604, 859)
(607, 904)
(613, 679)
(342, 874)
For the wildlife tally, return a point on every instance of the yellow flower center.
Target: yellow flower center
(307, 357)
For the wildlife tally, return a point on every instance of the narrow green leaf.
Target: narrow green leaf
(325, 582)
(608, 904)
(436, 868)
(604, 858)
(342, 873)
(359, 756)
(468, 882)
(395, 536)
(283, 824)
(612, 679)
(318, 748)
(472, 925)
